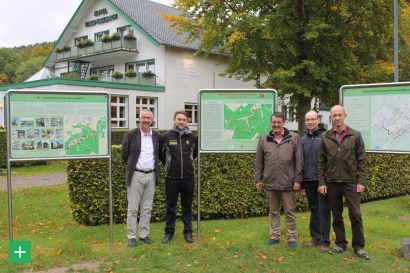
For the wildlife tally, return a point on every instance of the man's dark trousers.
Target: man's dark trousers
(335, 193)
(319, 213)
(174, 187)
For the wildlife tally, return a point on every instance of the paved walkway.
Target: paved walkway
(18, 182)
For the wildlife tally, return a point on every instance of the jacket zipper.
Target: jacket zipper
(180, 154)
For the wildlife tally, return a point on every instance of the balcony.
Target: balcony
(98, 48)
(138, 79)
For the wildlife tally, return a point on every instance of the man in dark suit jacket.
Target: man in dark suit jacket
(140, 152)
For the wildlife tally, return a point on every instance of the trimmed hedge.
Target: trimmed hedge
(227, 188)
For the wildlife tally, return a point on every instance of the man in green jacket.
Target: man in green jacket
(342, 173)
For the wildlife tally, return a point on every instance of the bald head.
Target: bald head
(338, 115)
(337, 108)
(312, 121)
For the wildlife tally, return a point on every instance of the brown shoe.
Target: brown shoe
(311, 243)
(324, 249)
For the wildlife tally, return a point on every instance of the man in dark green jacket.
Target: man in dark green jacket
(342, 173)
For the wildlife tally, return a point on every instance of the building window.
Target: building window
(119, 112)
(102, 72)
(141, 67)
(99, 35)
(192, 110)
(80, 39)
(285, 112)
(125, 30)
(146, 103)
(293, 114)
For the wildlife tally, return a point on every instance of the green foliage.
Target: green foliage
(303, 50)
(129, 36)
(389, 176)
(59, 49)
(130, 73)
(9, 61)
(115, 36)
(227, 188)
(28, 68)
(117, 75)
(116, 136)
(42, 215)
(85, 43)
(72, 75)
(148, 74)
(93, 77)
(106, 38)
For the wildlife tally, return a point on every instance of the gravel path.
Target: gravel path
(18, 182)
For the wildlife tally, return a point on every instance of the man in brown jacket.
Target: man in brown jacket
(278, 170)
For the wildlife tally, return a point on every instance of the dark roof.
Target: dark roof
(146, 14)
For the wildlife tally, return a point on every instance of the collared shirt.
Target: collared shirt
(340, 135)
(146, 160)
(279, 137)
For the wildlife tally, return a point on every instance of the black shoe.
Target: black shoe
(188, 238)
(147, 240)
(132, 242)
(272, 241)
(166, 239)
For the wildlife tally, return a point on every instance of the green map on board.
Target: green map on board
(246, 121)
(83, 135)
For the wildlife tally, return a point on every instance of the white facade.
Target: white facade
(179, 72)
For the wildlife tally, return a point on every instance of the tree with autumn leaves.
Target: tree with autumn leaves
(303, 49)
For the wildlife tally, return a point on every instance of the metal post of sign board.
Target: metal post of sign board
(29, 111)
(253, 106)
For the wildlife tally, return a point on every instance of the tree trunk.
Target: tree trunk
(304, 106)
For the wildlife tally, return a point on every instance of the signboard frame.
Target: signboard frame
(43, 101)
(60, 97)
(360, 100)
(216, 99)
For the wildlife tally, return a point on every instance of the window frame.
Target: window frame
(139, 106)
(192, 113)
(118, 106)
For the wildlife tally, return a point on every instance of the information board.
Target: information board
(51, 124)
(233, 120)
(381, 112)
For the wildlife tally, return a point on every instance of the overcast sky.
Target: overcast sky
(25, 22)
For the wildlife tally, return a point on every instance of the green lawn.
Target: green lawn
(42, 216)
(51, 167)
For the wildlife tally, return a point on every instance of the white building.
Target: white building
(178, 73)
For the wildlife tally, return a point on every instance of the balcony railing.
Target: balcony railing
(138, 79)
(97, 47)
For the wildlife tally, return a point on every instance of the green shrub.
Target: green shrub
(93, 77)
(115, 36)
(227, 188)
(117, 75)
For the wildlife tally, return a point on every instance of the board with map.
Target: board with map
(381, 112)
(49, 125)
(233, 120)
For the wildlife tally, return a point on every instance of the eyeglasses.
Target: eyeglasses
(276, 122)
